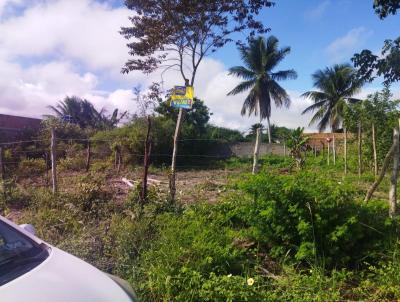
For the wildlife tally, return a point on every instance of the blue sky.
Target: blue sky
(310, 26)
(53, 48)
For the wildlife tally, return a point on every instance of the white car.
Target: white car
(32, 270)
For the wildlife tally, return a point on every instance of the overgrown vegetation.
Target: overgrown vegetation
(275, 236)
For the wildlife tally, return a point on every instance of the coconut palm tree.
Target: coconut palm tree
(336, 87)
(260, 58)
(84, 114)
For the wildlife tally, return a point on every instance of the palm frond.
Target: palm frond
(242, 87)
(314, 106)
(250, 104)
(242, 72)
(284, 75)
(278, 94)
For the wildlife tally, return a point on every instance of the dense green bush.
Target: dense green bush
(275, 236)
(270, 222)
(311, 218)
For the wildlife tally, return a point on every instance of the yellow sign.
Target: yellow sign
(182, 97)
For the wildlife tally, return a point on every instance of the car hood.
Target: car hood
(63, 278)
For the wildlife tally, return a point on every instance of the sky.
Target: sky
(50, 49)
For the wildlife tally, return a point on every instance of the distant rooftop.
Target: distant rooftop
(11, 126)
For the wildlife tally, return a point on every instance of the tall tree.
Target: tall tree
(260, 57)
(386, 65)
(179, 34)
(385, 8)
(336, 87)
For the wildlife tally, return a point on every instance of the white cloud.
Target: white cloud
(344, 47)
(318, 11)
(73, 47)
(78, 29)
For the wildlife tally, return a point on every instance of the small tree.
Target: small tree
(179, 34)
(296, 143)
(146, 104)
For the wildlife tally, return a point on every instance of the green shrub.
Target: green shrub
(31, 166)
(381, 282)
(71, 164)
(184, 255)
(313, 285)
(311, 218)
(90, 195)
(101, 166)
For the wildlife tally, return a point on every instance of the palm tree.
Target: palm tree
(336, 87)
(260, 58)
(84, 114)
(253, 129)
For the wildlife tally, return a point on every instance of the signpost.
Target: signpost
(182, 97)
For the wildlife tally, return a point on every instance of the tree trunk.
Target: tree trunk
(269, 130)
(376, 183)
(345, 150)
(395, 172)
(333, 148)
(146, 161)
(374, 149)
(172, 177)
(256, 151)
(359, 150)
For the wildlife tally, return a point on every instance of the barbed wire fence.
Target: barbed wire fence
(44, 160)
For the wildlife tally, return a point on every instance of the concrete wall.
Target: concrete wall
(246, 149)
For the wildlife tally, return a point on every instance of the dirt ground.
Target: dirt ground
(192, 185)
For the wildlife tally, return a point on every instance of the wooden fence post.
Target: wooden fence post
(2, 172)
(53, 161)
(284, 148)
(88, 156)
(395, 173)
(359, 150)
(345, 150)
(329, 145)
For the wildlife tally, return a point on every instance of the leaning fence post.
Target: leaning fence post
(88, 155)
(53, 161)
(2, 172)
